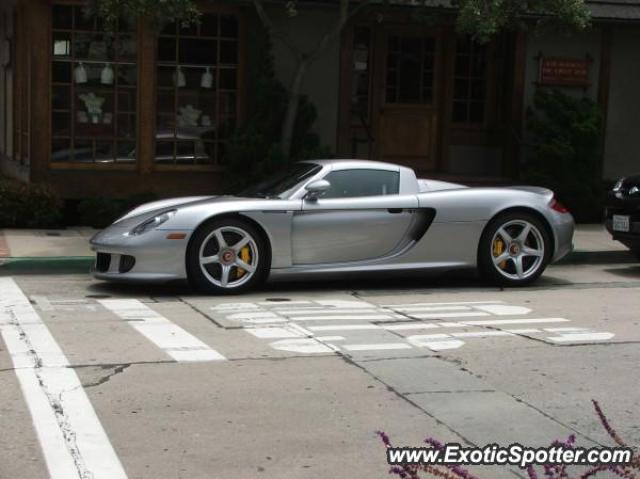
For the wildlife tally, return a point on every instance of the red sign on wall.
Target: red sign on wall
(564, 72)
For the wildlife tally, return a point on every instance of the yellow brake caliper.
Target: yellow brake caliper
(245, 255)
(498, 249)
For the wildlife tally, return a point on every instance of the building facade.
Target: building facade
(93, 113)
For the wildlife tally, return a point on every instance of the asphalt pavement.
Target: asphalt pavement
(293, 381)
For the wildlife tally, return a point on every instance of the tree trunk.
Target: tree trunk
(292, 108)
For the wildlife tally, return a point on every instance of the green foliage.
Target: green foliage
(485, 18)
(28, 205)
(157, 12)
(567, 151)
(100, 212)
(254, 150)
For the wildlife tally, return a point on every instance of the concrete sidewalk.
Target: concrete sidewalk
(45, 251)
(57, 251)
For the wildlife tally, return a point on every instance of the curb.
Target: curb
(46, 265)
(598, 257)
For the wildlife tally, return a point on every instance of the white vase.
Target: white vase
(80, 73)
(106, 77)
(178, 78)
(207, 79)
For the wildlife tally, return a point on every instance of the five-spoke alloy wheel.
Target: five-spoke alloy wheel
(514, 249)
(226, 256)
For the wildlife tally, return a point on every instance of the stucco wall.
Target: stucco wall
(622, 146)
(574, 45)
(322, 79)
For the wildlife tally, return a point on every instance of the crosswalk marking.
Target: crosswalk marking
(394, 318)
(376, 347)
(171, 338)
(72, 438)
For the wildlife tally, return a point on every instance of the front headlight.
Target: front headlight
(152, 223)
(618, 185)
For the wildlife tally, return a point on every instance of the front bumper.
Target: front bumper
(150, 257)
(627, 207)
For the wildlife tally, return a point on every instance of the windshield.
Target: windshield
(281, 185)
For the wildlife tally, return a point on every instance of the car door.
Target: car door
(363, 216)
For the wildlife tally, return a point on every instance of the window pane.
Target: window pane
(62, 17)
(61, 72)
(469, 92)
(60, 150)
(409, 73)
(358, 183)
(209, 25)
(228, 26)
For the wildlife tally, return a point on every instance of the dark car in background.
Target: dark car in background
(623, 213)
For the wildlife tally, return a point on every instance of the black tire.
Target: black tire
(203, 277)
(505, 272)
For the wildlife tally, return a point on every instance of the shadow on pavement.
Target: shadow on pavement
(452, 281)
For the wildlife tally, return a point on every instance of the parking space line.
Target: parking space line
(73, 441)
(171, 338)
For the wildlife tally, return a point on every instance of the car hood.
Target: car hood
(149, 209)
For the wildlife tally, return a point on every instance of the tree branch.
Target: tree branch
(344, 17)
(275, 32)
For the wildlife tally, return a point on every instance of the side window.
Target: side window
(356, 183)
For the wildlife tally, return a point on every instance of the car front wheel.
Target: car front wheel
(514, 250)
(226, 256)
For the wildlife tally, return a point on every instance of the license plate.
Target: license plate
(621, 223)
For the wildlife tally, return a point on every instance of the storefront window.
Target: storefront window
(93, 94)
(197, 91)
(469, 91)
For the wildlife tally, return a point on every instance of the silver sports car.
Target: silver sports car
(336, 217)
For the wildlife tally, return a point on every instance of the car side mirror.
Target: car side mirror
(315, 189)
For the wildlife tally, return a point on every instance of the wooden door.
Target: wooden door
(407, 97)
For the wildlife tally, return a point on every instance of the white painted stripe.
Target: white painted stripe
(448, 315)
(523, 331)
(342, 317)
(580, 337)
(376, 347)
(480, 334)
(274, 333)
(171, 338)
(295, 327)
(234, 306)
(345, 327)
(564, 330)
(497, 322)
(73, 441)
(399, 305)
(330, 338)
(444, 324)
(409, 327)
(327, 311)
(427, 309)
(504, 309)
(282, 303)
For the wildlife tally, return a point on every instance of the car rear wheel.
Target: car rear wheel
(514, 249)
(226, 256)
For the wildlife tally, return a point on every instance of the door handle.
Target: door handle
(395, 210)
